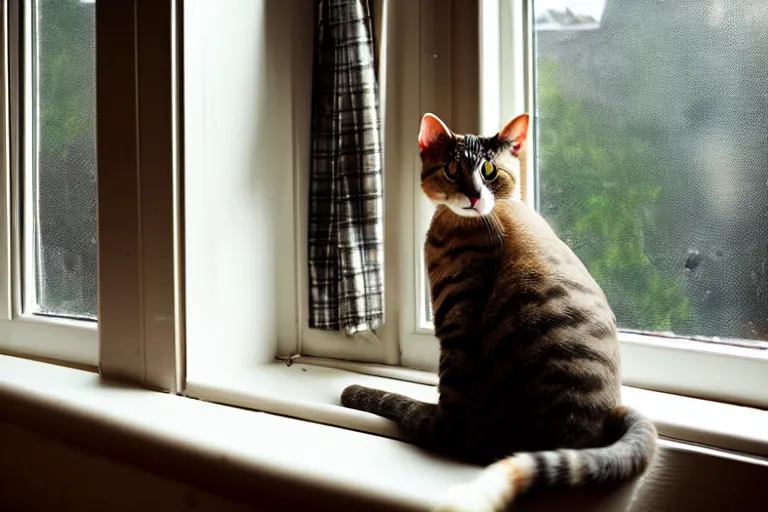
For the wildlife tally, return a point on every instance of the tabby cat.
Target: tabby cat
(529, 358)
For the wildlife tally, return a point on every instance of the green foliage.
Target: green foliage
(599, 195)
(66, 172)
(67, 66)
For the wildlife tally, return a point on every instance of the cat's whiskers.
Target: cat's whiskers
(495, 228)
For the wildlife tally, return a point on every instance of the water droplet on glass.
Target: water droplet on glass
(693, 260)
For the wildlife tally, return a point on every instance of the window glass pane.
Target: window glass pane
(64, 148)
(653, 156)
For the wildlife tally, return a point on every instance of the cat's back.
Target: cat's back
(534, 259)
(543, 289)
(550, 338)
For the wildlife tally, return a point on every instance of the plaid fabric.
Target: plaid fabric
(346, 254)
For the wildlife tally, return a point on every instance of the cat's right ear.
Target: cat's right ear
(432, 131)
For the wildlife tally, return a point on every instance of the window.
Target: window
(51, 181)
(655, 264)
(650, 162)
(60, 174)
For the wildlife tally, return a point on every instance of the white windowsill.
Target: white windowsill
(310, 390)
(264, 458)
(74, 341)
(269, 457)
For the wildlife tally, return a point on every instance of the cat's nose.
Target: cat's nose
(473, 201)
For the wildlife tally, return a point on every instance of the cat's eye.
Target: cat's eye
(451, 176)
(489, 171)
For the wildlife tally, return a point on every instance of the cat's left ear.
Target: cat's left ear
(515, 132)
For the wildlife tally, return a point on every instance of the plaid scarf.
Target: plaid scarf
(346, 254)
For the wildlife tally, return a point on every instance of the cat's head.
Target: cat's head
(469, 173)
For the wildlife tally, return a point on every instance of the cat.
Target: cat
(529, 357)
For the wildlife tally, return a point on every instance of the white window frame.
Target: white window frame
(674, 365)
(141, 247)
(22, 332)
(138, 336)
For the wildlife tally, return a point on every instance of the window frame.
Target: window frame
(140, 134)
(6, 208)
(676, 365)
(138, 335)
(435, 85)
(22, 332)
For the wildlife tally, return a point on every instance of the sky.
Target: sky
(591, 7)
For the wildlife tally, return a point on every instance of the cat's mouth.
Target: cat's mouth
(471, 211)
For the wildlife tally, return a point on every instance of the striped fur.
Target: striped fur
(529, 359)
(498, 484)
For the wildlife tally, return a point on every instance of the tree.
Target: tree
(597, 193)
(66, 173)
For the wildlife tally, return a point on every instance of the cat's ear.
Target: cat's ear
(515, 132)
(432, 131)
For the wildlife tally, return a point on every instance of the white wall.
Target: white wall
(243, 59)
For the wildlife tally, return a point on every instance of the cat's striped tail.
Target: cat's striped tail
(498, 484)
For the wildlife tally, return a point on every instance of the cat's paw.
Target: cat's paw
(465, 498)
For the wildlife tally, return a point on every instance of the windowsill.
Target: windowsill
(274, 460)
(256, 456)
(311, 392)
(51, 338)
